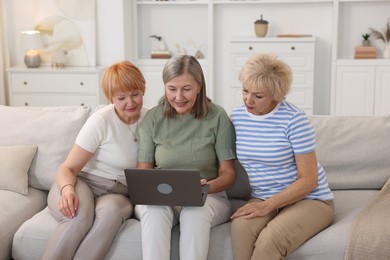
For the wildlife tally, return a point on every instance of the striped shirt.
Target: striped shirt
(266, 146)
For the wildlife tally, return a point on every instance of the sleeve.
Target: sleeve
(91, 134)
(147, 147)
(301, 134)
(225, 144)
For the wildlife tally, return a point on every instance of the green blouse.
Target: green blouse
(183, 142)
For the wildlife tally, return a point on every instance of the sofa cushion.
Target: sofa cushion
(52, 129)
(15, 209)
(354, 150)
(14, 164)
(241, 187)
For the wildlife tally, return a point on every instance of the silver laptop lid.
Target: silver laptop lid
(174, 187)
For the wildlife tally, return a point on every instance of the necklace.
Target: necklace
(135, 139)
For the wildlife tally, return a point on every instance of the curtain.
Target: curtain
(4, 54)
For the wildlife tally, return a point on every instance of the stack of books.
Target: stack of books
(160, 54)
(365, 52)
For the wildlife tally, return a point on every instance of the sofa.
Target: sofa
(354, 151)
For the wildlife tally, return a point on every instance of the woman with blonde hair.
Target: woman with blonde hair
(291, 200)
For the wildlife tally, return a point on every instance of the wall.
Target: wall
(112, 33)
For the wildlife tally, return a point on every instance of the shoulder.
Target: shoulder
(217, 110)
(154, 111)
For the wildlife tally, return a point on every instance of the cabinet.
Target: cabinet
(337, 26)
(46, 86)
(299, 53)
(363, 88)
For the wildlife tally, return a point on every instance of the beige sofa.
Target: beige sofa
(353, 150)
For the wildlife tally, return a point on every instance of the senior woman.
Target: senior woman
(186, 130)
(90, 197)
(291, 200)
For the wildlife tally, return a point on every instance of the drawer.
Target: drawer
(296, 62)
(54, 82)
(40, 100)
(276, 47)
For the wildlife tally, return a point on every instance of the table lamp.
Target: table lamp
(31, 41)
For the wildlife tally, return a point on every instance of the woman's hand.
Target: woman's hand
(252, 210)
(68, 202)
(203, 182)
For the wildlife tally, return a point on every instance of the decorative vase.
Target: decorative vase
(261, 27)
(386, 51)
(366, 43)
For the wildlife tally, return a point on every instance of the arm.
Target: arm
(225, 179)
(143, 165)
(66, 179)
(307, 181)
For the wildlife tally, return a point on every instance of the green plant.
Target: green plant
(384, 35)
(366, 36)
(156, 37)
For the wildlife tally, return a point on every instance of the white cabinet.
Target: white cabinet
(362, 87)
(46, 86)
(299, 53)
(336, 24)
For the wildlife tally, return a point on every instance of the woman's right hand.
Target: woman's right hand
(68, 202)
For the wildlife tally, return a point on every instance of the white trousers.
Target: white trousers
(195, 225)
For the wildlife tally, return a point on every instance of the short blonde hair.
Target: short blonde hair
(122, 76)
(265, 72)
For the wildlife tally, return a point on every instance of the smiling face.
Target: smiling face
(257, 102)
(128, 105)
(181, 93)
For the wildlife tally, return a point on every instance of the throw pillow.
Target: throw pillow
(15, 162)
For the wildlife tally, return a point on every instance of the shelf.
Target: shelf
(270, 1)
(172, 2)
(363, 62)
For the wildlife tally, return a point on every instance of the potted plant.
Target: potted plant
(383, 35)
(366, 41)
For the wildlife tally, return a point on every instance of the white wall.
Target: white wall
(112, 28)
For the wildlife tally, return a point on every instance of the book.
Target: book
(365, 52)
(160, 54)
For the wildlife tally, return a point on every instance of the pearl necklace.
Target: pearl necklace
(135, 139)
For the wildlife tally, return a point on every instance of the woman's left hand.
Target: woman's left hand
(252, 210)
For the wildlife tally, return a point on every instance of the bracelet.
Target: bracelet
(69, 184)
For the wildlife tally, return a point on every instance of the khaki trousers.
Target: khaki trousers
(278, 234)
(103, 207)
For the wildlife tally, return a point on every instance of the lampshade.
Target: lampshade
(31, 42)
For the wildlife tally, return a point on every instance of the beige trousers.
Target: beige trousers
(278, 234)
(103, 207)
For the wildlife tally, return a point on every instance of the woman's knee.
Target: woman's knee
(113, 205)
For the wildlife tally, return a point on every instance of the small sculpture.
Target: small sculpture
(261, 27)
(58, 58)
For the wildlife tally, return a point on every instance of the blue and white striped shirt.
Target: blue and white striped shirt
(266, 146)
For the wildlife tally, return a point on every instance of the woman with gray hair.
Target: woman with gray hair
(186, 131)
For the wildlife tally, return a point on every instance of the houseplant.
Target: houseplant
(383, 35)
(366, 41)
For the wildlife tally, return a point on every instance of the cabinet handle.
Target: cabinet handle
(293, 48)
(26, 104)
(82, 83)
(250, 48)
(24, 82)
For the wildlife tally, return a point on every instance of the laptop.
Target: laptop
(172, 187)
